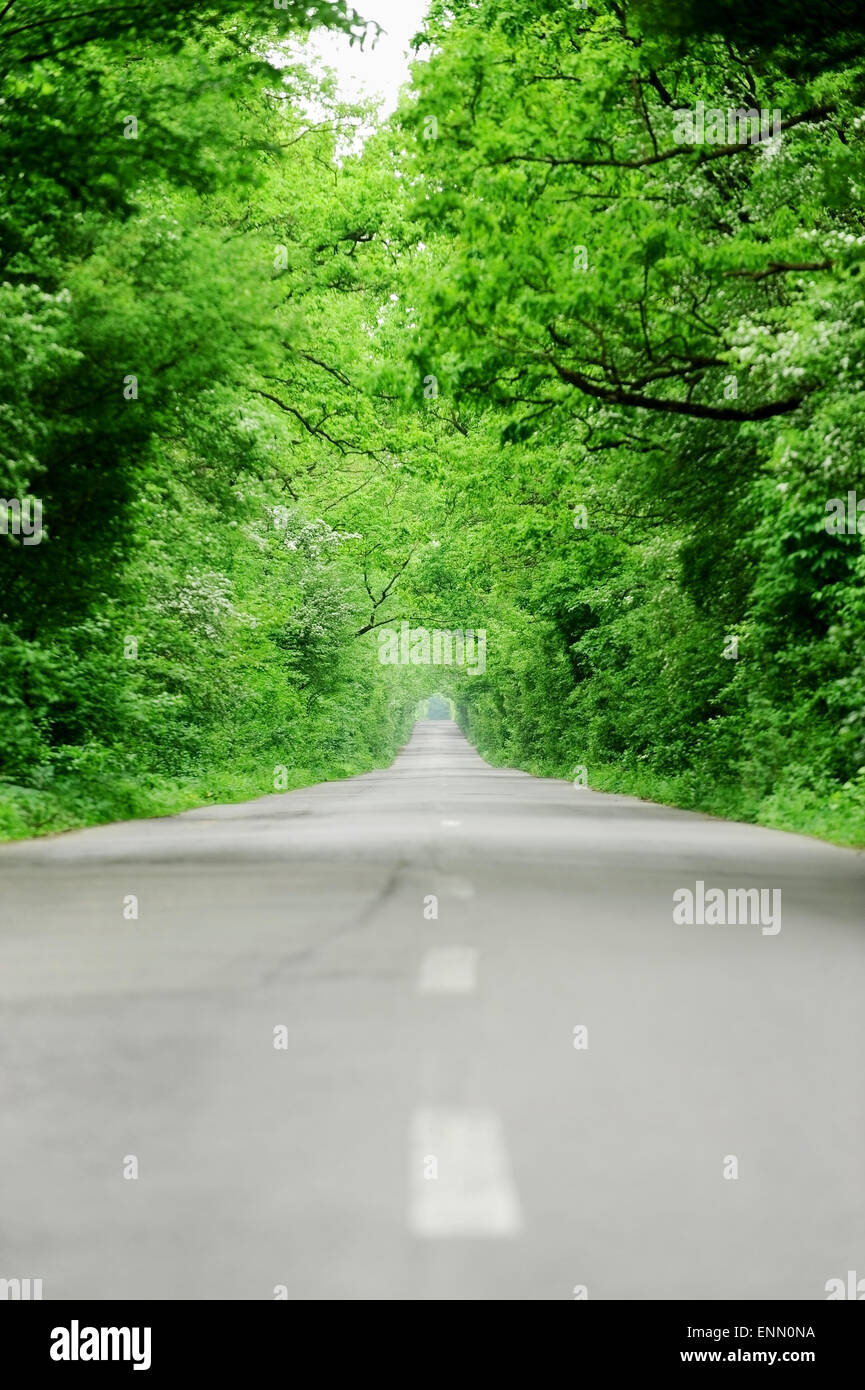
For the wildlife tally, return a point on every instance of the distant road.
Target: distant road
(425, 1126)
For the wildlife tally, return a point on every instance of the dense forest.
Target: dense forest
(569, 351)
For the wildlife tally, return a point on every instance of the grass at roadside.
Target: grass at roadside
(73, 804)
(833, 813)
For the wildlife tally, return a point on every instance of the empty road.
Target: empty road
(429, 1033)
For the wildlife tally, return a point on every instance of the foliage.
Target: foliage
(523, 360)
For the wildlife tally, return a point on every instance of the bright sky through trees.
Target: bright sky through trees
(381, 69)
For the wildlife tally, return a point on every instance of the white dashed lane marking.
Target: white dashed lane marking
(451, 823)
(449, 970)
(460, 1182)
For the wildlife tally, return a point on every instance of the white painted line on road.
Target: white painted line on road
(460, 1182)
(451, 822)
(449, 970)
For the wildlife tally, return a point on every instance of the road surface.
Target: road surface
(429, 1033)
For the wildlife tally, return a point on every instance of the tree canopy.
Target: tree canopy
(568, 350)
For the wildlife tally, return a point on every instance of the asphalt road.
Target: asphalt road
(329, 1092)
